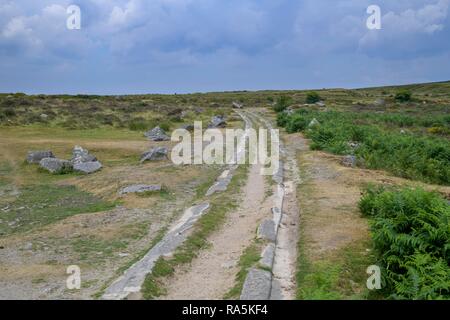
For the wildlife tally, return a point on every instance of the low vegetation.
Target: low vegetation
(376, 143)
(40, 205)
(411, 237)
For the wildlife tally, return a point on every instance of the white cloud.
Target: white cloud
(426, 20)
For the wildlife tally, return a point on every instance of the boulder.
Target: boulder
(37, 156)
(349, 161)
(80, 155)
(87, 167)
(55, 165)
(217, 122)
(157, 134)
(380, 102)
(155, 154)
(140, 188)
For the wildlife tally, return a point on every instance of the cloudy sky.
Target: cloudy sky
(167, 46)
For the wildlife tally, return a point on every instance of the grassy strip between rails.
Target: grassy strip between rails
(249, 258)
(220, 205)
(411, 236)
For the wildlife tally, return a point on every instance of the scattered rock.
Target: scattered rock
(289, 111)
(55, 165)
(87, 167)
(155, 154)
(140, 188)
(217, 122)
(349, 161)
(237, 105)
(320, 104)
(380, 102)
(314, 122)
(80, 155)
(28, 246)
(267, 231)
(157, 134)
(122, 255)
(37, 156)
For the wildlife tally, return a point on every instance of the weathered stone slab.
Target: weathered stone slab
(276, 293)
(37, 156)
(140, 188)
(257, 285)
(267, 230)
(55, 165)
(131, 281)
(267, 256)
(87, 167)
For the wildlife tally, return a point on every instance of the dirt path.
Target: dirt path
(213, 272)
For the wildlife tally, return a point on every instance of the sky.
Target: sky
(183, 46)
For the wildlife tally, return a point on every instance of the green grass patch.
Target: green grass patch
(249, 258)
(40, 205)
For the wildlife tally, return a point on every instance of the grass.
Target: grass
(338, 277)
(249, 258)
(40, 205)
(336, 274)
(220, 205)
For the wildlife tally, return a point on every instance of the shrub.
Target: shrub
(138, 124)
(411, 235)
(403, 96)
(165, 126)
(9, 112)
(282, 103)
(312, 97)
